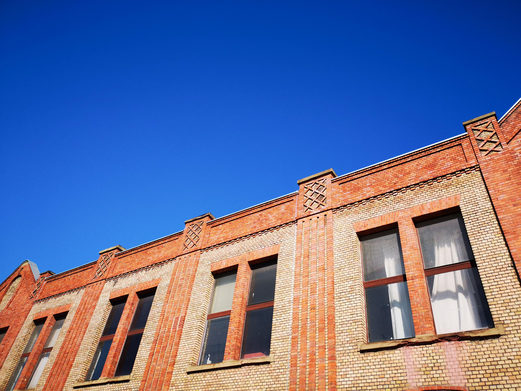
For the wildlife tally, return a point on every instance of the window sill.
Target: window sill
(228, 364)
(102, 381)
(432, 338)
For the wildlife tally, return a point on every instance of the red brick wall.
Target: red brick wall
(17, 308)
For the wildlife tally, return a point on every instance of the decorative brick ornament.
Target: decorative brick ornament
(487, 138)
(192, 235)
(103, 265)
(315, 195)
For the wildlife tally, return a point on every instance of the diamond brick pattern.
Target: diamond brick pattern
(103, 265)
(315, 195)
(487, 138)
(192, 235)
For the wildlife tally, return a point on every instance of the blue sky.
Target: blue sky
(122, 119)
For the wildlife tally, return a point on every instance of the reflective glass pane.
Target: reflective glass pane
(262, 288)
(223, 293)
(458, 301)
(215, 340)
(389, 313)
(38, 370)
(382, 255)
(128, 355)
(257, 333)
(33, 338)
(16, 374)
(113, 319)
(142, 310)
(98, 361)
(55, 332)
(444, 241)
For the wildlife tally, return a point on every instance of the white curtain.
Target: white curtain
(38, 370)
(455, 305)
(382, 259)
(398, 300)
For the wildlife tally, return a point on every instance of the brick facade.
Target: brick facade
(319, 332)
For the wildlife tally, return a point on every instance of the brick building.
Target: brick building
(404, 275)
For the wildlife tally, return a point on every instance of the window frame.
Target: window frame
(243, 266)
(131, 332)
(104, 338)
(421, 306)
(258, 306)
(46, 319)
(443, 269)
(382, 281)
(130, 296)
(47, 350)
(221, 314)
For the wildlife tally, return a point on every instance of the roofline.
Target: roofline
(509, 111)
(60, 274)
(400, 156)
(128, 250)
(16, 269)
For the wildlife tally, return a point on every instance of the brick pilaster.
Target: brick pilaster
(313, 342)
(499, 157)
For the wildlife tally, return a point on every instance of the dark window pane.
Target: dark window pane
(215, 340)
(3, 332)
(458, 301)
(382, 255)
(389, 313)
(262, 288)
(257, 333)
(142, 310)
(444, 241)
(33, 338)
(113, 320)
(128, 355)
(98, 361)
(16, 374)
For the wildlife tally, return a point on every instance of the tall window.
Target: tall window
(218, 319)
(135, 332)
(47, 348)
(259, 312)
(457, 297)
(387, 299)
(105, 342)
(38, 325)
(134, 309)
(252, 313)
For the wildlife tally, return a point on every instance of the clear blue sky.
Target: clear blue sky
(121, 119)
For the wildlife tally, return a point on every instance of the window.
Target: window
(137, 327)
(126, 354)
(105, 341)
(457, 297)
(3, 332)
(218, 319)
(38, 325)
(259, 312)
(254, 316)
(388, 307)
(47, 348)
